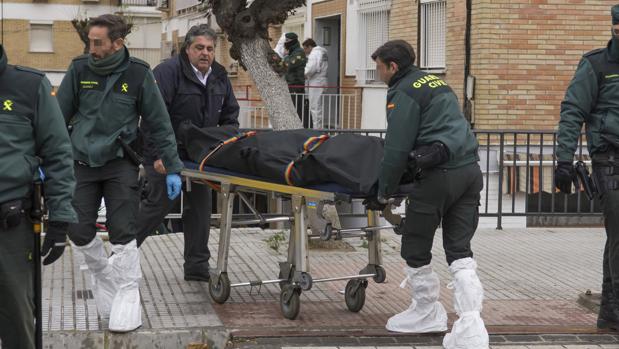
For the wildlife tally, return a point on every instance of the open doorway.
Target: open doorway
(327, 33)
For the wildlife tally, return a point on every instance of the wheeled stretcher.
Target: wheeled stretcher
(294, 274)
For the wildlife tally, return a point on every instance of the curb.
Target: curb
(190, 338)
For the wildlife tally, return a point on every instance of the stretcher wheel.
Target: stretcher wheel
(354, 294)
(290, 302)
(220, 290)
(306, 281)
(327, 233)
(380, 276)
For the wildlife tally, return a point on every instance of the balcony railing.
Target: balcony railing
(152, 3)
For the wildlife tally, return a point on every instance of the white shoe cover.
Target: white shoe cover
(469, 331)
(104, 287)
(425, 313)
(126, 314)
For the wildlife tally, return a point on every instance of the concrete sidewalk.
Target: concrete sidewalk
(532, 279)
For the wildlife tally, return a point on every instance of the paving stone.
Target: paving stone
(522, 338)
(542, 294)
(598, 338)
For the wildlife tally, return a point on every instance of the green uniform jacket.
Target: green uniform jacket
(101, 108)
(296, 60)
(33, 134)
(422, 109)
(592, 97)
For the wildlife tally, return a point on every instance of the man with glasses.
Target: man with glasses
(592, 98)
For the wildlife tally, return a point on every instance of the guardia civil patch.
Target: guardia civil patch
(7, 105)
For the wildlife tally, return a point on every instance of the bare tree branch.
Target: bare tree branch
(246, 25)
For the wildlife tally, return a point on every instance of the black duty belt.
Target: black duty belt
(12, 212)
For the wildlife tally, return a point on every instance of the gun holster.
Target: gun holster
(585, 180)
(11, 214)
(130, 151)
(426, 157)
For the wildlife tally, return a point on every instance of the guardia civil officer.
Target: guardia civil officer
(296, 60)
(32, 134)
(592, 98)
(424, 116)
(102, 97)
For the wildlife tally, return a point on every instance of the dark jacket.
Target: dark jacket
(102, 107)
(33, 133)
(187, 99)
(296, 61)
(592, 98)
(422, 109)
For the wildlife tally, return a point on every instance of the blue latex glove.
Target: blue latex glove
(173, 184)
(41, 174)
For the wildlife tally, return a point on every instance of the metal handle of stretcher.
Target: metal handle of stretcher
(275, 281)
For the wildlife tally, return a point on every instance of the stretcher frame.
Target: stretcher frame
(294, 274)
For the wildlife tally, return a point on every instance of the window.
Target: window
(183, 6)
(295, 24)
(41, 37)
(373, 16)
(433, 26)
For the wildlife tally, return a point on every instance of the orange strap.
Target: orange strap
(310, 145)
(219, 146)
(226, 142)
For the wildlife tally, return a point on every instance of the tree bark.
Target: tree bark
(272, 87)
(247, 29)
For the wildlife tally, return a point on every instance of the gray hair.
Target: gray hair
(199, 30)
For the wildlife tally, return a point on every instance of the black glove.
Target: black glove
(565, 176)
(375, 203)
(54, 243)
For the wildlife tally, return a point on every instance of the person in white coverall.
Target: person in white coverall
(315, 75)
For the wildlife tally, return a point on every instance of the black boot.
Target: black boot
(608, 318)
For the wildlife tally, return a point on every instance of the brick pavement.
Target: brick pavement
(532, 279)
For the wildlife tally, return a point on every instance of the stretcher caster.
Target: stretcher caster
(380, 276)
(354, 294)
(305, 281)
(219, 288)
(290, 302)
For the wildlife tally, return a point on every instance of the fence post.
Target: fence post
(499, 221)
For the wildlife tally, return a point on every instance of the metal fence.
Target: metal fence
(341, 107)
(518, 169)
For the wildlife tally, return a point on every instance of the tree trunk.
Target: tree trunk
(272, 87)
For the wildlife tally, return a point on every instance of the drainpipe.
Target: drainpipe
(467, 106)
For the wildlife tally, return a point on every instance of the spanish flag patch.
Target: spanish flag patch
(390, 106)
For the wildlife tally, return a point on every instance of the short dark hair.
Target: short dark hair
(309, 42)
(199, 30)
(398, 51)
(117, 27)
